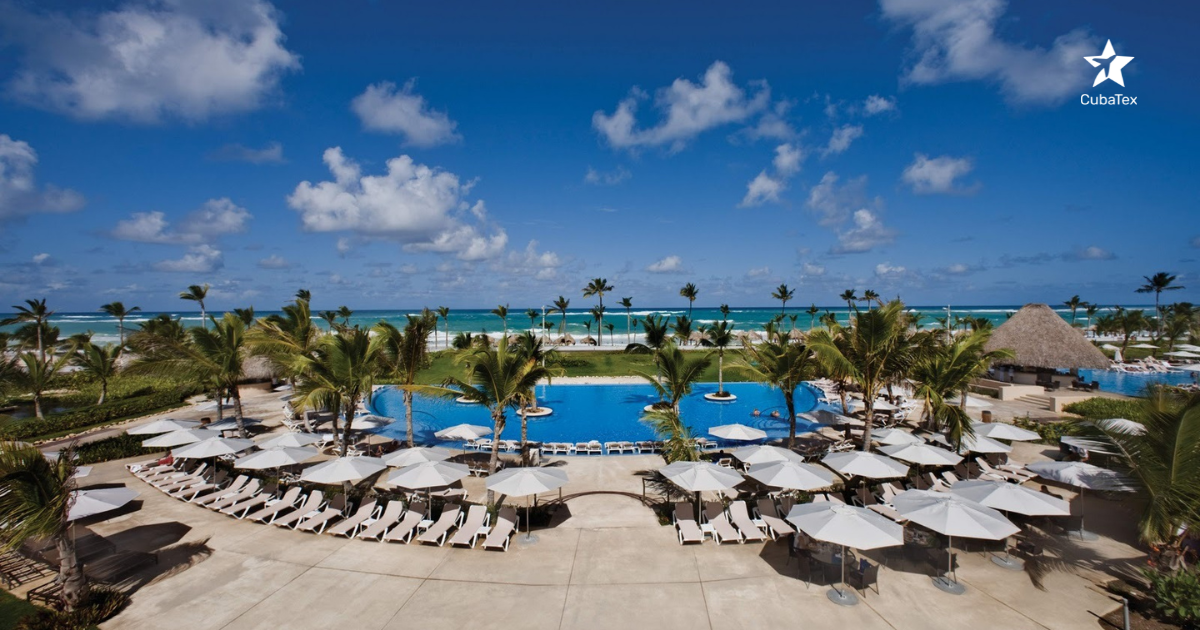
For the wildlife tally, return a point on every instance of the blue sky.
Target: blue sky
(468, 154)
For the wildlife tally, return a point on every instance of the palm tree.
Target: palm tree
(532, 315)
(1074, 303)
(719, 336)
(345, 313)
(870, 353)
(502, 312)
(561, 305)
(598, 315)
(627, 303)
(848, 296)
(676, 375)
(34, 313)
(37, 376)
(500, 380)
(463, 341)
(339, 375)
(782, 363)
(36, 495)
(654, 339)
(246, 315)
(330, 318)
(870, 296)
(530, 347)
(98, 362)
(945, 374)
(215, 357)
(444, 313)
(160, 325)
(609, 326)
(1156, 284)
(118, 310)
(682, 328)
(1090, 311)
(1129, 324)
(404, 354)
(598, 287)
(304, 294)
(689, 291)
(724, 309)
(812, 316)
(196, 293)
(676, 436)
(285, 337)
(783, 294)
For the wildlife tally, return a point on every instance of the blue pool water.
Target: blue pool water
(1133, 384)
(606, 413)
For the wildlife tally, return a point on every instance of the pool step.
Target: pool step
(1039, 401)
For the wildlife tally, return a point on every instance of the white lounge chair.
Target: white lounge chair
(502, 532)
(374, 528)
(352, 525)
(740, 515)
(685, 525)
(723, 530)
(274, 507)
(310, 507)
(241, 508)
(225, 500)
(439, 530)
(770, 517)
(475, 525)
(319, 521)
(233, 488)
(404, 530)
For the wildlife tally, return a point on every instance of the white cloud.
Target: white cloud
(199, 259)
(272, 153)
(762, 189)
(422, 207)
(144, 61)
(688, 109)
(958, 269)
(812, 269)
(409, 269)
(19, 192)
(531, 262)
(670, 264)
(1092, 253)
(40, 258)
(610, 178)
(385, 109)
(772, 125)
(876, 104)
(937, 175)
(835, 204)
(344, 245)
(758, 272)
(214, 219)
(887, 269)
(274, 261)
(788, 159)
(842, 138)
(868, 233)
(956, 40)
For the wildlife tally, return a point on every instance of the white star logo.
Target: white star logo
(1110, 65)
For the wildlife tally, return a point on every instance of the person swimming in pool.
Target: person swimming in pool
(756, 413)
(775, 414)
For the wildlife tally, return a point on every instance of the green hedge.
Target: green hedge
(1105, 408)
(69, 421)
(108, 449)
(1050, 432)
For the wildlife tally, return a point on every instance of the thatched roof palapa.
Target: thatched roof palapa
(1042, 339)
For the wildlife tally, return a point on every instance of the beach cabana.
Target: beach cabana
(1042, 340)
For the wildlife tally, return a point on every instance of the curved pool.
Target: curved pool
(1134, 383)
(606, 413)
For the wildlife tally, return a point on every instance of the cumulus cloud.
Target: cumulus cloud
(888, 270)
(841, 139)
(19, 193)
(867, 233)
(834, 203)
(421, 207)
(1091, 252)
(214, 219)
(810, 269)
(41, 258)
(956, 40)
(199, 259)
(272, 153)
(937, 175)
(670, 264)
(610, 178)
(758, 272)
(542, 265)
(788, 158)
(876, 104)
(144, 61)
(772, 125)
(687, 109)
(385, 109)
(274, 261)
(766, 187)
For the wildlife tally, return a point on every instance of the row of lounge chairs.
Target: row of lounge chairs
(595, 447)
(732, 523)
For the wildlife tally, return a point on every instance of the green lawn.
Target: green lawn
(615, 363)
(12, 609)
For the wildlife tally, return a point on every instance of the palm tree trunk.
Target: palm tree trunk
(790, 403)
(103, 391)
(868, 421)
(346, 430)
(237, 412)
(70, 573)
(721, 371)
(408, 418)
(37, 405)
(524, 437)
(842, 395)
(494, 460)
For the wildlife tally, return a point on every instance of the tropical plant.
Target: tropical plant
(869, 296)
(502, 312)
(682, 328)
(654, 339)
(532, 315)
(1129, 324)
(676, 374)
(609, 326)
(812, 316)
(304, 294)
(690, 292)
(36, 313)
(463, 341)
(161, 325)
(1156, 284)
(345, 313)
(196, 293)
(724, 309)
(118, 310)
(675, 435)
(444, 313)
(598, 287)
(1090, 311)
(945, 374)
(1176, 595)
(784, 295)
(330, 318)
(627, 304)
(246, 315)
(597, 313)
(719, 336)
(1074, 304)
(783, 364)
(36, 498)
(284, 337)
(404, 354)
(98, 362)
(561, 305)
(849, 297)
(530, 347)
(36, 376)
(340, 374)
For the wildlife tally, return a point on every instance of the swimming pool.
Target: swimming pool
(607, 413)
(1133, 383)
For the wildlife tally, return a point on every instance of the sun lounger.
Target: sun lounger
(685, 525)
(581, 448)
(352, 525)
(219, 492)
(746, 526)
(230, 498)
(318, 522)
(188, 492)
(171, 476)
(723, 531)
(438, 531)
(170, 485)
(153, 469)
(502, 532)
(646, 447)
(243, 507)
(770, 517)
(404, 530)
(475, 525)
(374, 528)
(276, 506)
(612, 447)
(310, 507)
(997, 474)
(594, 448)
(888, 511)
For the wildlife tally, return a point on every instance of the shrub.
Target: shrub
(1050, 432)
(108, 449)
(100, 604)
(1176, 595)
(97, 414)
(1104, 408)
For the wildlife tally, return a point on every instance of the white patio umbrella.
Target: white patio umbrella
(1189, 347)
(211, 447)
(972, 401)
(883, 405)
(428, 475)
(276, 457)
(1010, 497)
(163, 425)
(981, 444)
(824, 416)
(864, 464)
(892, 437)
(1195, 367)
(1003, 431)
(791, 475)
(1145, 346)
(1183, 354)
(738, 432)
(1084, 476)
(343, 470)
(179, 438)
(700, 477)
(1109, 346)
(290, 440)
(763, 453)
(87, 503)
(369, 421)
(409, 456)
(952, 515)
(229, 424)
(847, 526)
(463, 432)
(922, 454)
(521, 482)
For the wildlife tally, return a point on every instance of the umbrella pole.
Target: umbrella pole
(1084, 534)
(949, 583)
(839, 596)
(1007, 561)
